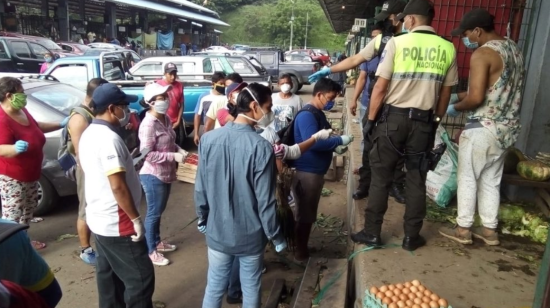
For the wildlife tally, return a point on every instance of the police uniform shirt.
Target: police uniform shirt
(371, 50)
(416, 88)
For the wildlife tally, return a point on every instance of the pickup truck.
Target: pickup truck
(77, 71)
(274, 62)
(19, 55)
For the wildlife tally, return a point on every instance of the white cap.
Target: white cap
(154, 89)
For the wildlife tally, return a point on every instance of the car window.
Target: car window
(218, 67)
(21, 49)
(186, 67)
(59, 96)
(267, 58)
(240, 66)
(4, 54)
(39, 51)
(76, 75)
(67, 47)
(148, 69)
(207, 66)
(135, 57)
(113, 71)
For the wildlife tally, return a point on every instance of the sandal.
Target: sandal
(38, 245)
(37, 219)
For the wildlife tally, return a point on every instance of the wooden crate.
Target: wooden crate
(188, 170)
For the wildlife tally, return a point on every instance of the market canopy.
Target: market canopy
(161, 8)
(342, 13)
(192, 5)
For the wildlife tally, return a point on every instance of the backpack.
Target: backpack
(286, 135)
(66, 160)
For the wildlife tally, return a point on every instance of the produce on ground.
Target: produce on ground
(284, 212)
(534, 170)
(513, 158)
(406, 295)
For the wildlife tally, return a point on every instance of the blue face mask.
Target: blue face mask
(403, 29)
(469, 44)
(329, 106)
(48, 59)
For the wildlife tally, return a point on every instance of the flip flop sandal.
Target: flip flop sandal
(37, 219)
(38, 245)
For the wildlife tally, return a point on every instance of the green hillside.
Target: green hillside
(267, 22)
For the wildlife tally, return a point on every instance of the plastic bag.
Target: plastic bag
(441, 184)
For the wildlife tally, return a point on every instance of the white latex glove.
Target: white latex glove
(322, 134)
(138, 227)
(346, 139)
(183, 152)
(292, 152)
(281, 247)
(178, 157)
(454, 99)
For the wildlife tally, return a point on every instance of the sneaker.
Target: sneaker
(158, 259)
(165, 247)
(234, 300)
(457, 234)
(489, 236)
(88, 256)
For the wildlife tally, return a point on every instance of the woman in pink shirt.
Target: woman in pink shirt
(159, 169)
(46, 65)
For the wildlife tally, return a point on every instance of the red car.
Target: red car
(57, 51)
(73, 47)
(316, 57)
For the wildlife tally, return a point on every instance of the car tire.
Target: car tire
(295, 84)
(47, 197)
(300, 87)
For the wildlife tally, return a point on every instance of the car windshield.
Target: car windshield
(59, 96)
(49, 44)
(257, 65)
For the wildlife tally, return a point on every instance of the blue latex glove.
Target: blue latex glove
(454, 99)
(452, 112)
(202, 226)
(281, 247)
(64, 122)
(346, 139)
(320, 74)
(21, 146)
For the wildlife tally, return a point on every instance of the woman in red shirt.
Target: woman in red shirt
(21, 143)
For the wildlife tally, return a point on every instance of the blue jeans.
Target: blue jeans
(234, 289)
(219, 272)
(156, 193)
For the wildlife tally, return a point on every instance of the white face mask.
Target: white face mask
(266, 119)
(285, 88)
(161, 106)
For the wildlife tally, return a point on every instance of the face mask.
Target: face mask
(329, 105)
(403, 29)
(468, 44)
(285, 88)
(161, 106)
(125, 119)
(48, 59)
(266, 119)
(234, 96)
(219, 89)
(19, 101)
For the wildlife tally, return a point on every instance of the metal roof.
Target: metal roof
(342, 13)
(192, 5)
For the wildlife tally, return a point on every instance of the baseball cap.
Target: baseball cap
(473, 19)
(154, 89)
(170, 67)
(418, 7)
(235, 87)
(109, 94)
(390, 7)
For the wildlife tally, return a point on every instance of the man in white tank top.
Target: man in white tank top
(493, 104)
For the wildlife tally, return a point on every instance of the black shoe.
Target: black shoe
(398, 193)
(234, 300)
(367, 239)
(413, 243)
(360, 194)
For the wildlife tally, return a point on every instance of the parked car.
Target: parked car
(108, 46)
(21, 56)
(217, 48)
(274, 61)
(75, 48)
(57, 51)
(97, 52)
(322, 59)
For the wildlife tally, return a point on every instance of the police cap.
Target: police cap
(390, 7)
(418, 7)
(473, 19)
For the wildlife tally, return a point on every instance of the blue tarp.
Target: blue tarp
(165, 41)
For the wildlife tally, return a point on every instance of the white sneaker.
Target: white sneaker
(158, 259)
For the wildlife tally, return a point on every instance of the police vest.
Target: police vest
(422, 55)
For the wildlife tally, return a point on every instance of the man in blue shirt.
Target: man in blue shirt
(183, 48)
(313, 164)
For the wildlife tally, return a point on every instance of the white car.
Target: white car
(216, 48)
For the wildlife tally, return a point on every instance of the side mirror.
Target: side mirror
(129, 77)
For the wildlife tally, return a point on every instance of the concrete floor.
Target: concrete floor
(182, 283)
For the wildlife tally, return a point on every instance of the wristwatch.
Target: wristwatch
(436, 119)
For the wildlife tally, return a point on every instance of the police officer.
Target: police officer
(391, 26)
(415, 76)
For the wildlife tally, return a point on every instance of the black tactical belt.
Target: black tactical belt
(412, 113)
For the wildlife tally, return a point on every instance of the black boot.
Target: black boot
(360, 194)
(412, 243)
(397, 191)
(370, 240)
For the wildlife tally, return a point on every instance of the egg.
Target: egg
(406, 291)
(413, 289)
(374, 290)
(383, 288)
(434, 297)
(380, 295)
(399, 286)
(403, 297)
(388, 293)
(419, 294)
(394, 305)
(443, 303)
(415, 283)
(417, 301)
(426, 299)
(397, 291)
(409, 303)
(407, 284)
(411, 296)
(434, 304)
(427, 293)
(424, 305)
(416, 306)
(386, 301)
(394, 299)
(421, 288)
(401, 304)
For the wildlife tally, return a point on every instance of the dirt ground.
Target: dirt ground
(182, 283)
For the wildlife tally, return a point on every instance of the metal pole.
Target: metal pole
(307, 23)
(292, 26)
